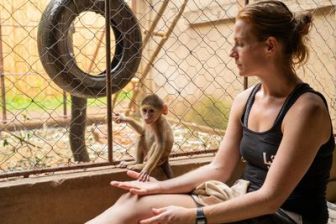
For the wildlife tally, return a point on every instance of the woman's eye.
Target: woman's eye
(238, 43)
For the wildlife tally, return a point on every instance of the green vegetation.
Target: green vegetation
(209, 111)
(42, 103)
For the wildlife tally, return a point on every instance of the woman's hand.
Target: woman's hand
(138, 187)
(171, 215)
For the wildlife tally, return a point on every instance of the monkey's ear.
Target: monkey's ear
(165, 109)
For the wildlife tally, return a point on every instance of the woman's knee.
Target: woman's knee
(119, 212)
(126, 199)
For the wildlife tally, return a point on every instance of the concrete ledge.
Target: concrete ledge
(76, 197)
(69, 198)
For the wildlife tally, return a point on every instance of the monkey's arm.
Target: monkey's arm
(154, 156)
(121, 118)
(135, 125)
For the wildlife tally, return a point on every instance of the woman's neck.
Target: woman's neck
(280, 84)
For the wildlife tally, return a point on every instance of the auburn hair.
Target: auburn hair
(273, 18)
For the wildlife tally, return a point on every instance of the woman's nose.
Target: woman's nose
(233, 53)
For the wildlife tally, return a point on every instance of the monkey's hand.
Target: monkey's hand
(135, 175)
(125, 164)
(119, 118)
(144, 176)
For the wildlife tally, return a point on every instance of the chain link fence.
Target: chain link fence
(185, 60)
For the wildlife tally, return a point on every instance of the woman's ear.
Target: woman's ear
(165, 109)
(271, 45)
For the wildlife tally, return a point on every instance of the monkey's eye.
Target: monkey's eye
(151, 111)
(144, 110)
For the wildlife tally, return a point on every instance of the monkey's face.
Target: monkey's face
(150, 114)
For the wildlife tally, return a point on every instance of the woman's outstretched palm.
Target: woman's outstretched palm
(137, 187)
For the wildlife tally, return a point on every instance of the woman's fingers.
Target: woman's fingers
(133, 187)
(151, 220)
(161, 215)
(157, 211)
(123, 185)
(138, 191)
(157, 218)
(138, 187)
(118, 185)
(133, 174)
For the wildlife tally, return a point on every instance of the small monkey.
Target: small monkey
(155, 138)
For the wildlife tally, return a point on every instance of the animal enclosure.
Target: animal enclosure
(184, 59)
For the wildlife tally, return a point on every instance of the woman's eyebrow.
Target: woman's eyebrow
(237, 38)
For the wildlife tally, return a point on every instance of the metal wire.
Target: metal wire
(185, 61)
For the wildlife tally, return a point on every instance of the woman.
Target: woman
(272, 127)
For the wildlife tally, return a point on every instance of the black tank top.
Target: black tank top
(258, 149)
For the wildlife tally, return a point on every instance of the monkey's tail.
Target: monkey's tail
(168, 171)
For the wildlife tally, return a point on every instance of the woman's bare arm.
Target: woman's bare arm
(298, 148)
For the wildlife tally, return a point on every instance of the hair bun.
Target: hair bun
(303, 23)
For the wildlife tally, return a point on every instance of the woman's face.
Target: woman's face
(248, 52)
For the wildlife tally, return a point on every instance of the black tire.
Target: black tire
(55, 47)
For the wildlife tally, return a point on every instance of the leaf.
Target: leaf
(5, 142)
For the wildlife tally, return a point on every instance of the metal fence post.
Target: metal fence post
(2, 82)
(245, 78)
(108, 80)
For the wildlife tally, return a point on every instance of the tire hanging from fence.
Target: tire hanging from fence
(56, 53)
(58, 60)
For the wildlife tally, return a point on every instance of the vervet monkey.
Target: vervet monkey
(155, 138)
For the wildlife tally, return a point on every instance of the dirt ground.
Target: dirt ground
(49, 147)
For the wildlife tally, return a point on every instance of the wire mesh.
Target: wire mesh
(185, 60)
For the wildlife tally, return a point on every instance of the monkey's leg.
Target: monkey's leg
(140, 150)
(136, 167)
(166, 168)
(139, 157)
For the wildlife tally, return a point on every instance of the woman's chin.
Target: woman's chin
(242, 74)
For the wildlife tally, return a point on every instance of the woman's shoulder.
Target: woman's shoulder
(245, 93)
(240, 100)
(311, 101)
(310, 108)
(242, 97)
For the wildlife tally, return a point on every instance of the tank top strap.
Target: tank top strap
(249, 103)
(291, 99)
